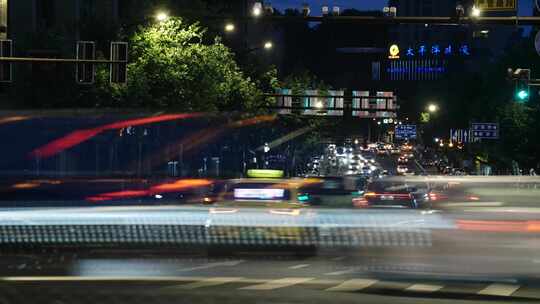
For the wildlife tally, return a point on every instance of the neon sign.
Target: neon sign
(435, 50)
(394, 51)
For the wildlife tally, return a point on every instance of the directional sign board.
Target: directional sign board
(485, 130)
(496, 5)
(405, 131)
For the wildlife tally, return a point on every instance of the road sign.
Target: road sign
(484, 131)
(496, 5)
(459, 135)
(405, 131)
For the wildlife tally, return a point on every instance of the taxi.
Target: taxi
(264, 188)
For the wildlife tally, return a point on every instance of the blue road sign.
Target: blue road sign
(405, 131)
(485, 130)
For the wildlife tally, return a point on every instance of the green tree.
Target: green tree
(171, 67)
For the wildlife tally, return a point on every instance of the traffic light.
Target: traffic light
(522, 95)
(119, 54)
(522, 77)
(6, 69)
(85, 72)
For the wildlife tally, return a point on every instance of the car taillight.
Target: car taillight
(360, 202)
(370, 194)
(433, 197)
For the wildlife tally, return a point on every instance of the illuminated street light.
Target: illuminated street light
(268, 45)
(229, 27)
(356, 141)
(257, 9)
(441, 144)
(436, 139)
(451, 144)
(475, 11)
(379, 123)
(432, 108)
(162, 16)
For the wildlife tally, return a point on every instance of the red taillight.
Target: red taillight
(433, 197)
(360, 202)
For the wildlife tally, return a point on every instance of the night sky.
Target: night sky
(525, 6)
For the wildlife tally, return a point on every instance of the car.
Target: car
(395, 194)
(402, 160)
(402, 170)
(395, 151)
(408, 155)
(382, 152)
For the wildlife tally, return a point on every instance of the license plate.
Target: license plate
(387, 198)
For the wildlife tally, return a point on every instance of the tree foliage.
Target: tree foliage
(171, 68)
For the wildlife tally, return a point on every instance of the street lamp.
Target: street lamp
(229, 27)
(268, 45)
(432, 108)
(257, 9)
(475, 11)
(162, 16)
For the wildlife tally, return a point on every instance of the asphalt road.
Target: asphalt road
(242, 279)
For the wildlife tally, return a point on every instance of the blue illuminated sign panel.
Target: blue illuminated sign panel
(437, 50)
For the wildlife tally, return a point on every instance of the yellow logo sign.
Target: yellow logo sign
(394, 52)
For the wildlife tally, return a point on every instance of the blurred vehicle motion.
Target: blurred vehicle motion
(391, 194)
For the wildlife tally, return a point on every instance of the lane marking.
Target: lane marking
(275, 284)
(339, 258)
(424, 288)
(212, 265)
(299, 266)
(208, 282)
(474, 204)
(352, 285)
(340, 272)
(497, 289)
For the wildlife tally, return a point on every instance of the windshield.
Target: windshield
(216, 151)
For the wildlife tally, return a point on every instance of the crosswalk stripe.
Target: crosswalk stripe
(340, 272)
(299, 266)
(424, 288)
(275, 284)
(499, 290)
(209, 282)
(353, 285)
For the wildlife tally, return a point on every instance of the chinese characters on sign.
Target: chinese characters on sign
(405, 131)
(435, 50)
(485, 130)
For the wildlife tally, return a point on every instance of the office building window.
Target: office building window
(45, 13)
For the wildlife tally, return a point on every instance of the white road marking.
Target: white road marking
(335, 273)
(275, 284)
(353, 285)
(299, 266)
(99, 278)
(208, 282)
(499, 290)
(475, 204)
(424, 288)
(212, 265)
(508, 209)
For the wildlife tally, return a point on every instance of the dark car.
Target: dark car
(390, 194)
